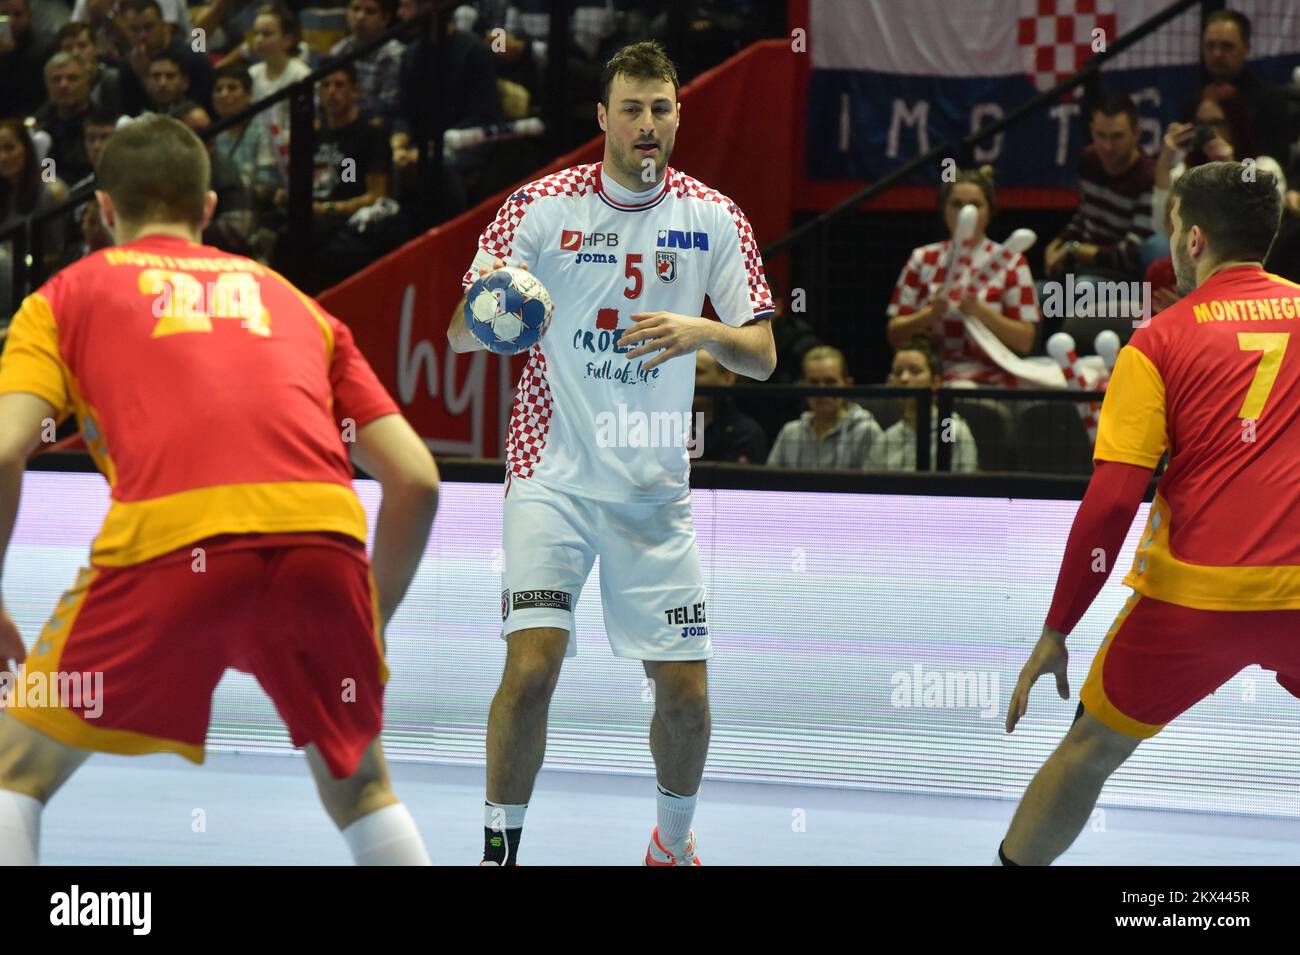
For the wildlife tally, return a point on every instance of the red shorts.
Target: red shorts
(136, 652)
(1160, 659)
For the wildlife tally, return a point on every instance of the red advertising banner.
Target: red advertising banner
(736, 135)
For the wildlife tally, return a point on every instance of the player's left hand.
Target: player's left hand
(1049, 656)
(668, 333)
(11, 641)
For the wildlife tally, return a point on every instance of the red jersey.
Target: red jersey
(1215, 380)
(213, 395)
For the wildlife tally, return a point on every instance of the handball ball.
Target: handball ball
(508, 310)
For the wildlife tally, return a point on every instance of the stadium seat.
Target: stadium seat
(886, 411)
(1050, 439)
(991, 424)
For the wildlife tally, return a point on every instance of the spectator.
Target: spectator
(149, 34)
(23, 193)
(175, 13)
(63, 116)
(105, 81)
(1225, 48)
(106, 21)
(21, 58)
(1104, 239)
(275, 37)
(1005, 304)
(1222, 112)
(834, 433)
(233, 220)
(379, 73)
(466, 75)
(226, 22)
(917, 366)
(98, 127)
(728, 435)
(248, 144)
(352, 167)
(167, 84)
(92, 235)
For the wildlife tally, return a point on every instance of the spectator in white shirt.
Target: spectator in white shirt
(833, 433)
(917, 366)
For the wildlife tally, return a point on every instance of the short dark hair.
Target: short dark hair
(237, 72)
(386, 7)
(349, 68)
(1114, 104)
(140, 6)
(73, 28)
(102, 117)
(1235, 17)
(1239, 214)
(169, 56)
(638, 61)
(925, 345)
(156, 170)
(284, 16)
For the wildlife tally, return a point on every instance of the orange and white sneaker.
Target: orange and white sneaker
(656, 854)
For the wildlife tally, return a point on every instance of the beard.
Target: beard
(629, 163)
(1184, 268)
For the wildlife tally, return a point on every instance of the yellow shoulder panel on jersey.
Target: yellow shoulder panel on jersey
(1133, 427)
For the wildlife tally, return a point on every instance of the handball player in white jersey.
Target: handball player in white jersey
(628, 248)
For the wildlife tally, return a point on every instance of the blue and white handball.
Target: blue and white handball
(508, 310)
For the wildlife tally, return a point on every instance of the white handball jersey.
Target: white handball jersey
(586, 420)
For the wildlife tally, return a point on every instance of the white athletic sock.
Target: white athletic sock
(675, 815)
(386, 837)
(20, 828)
(498, 816)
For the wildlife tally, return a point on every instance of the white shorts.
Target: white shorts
(651, 588)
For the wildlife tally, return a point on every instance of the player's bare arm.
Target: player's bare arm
(390, 451)
(20, 428)
(749, 350)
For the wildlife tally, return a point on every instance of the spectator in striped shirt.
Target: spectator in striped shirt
(999, 292)
(1103, 241)
(379, 74)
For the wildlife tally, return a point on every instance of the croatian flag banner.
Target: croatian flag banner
(892, 78)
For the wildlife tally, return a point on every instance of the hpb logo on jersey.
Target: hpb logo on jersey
(666, 265)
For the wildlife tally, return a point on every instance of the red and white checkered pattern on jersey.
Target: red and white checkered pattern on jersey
(500, 235)
(760, 297)
(997, 276)
(530, 419)
(1055, 36)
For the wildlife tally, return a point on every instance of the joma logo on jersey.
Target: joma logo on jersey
(674, 239)
(571, 240)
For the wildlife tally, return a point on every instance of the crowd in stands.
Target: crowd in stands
(68, 70)
(70, 76)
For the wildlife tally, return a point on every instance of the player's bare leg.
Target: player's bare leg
(1062, 795)
(376, 826)
(516, 736)
(679, 743)
(32, 768)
